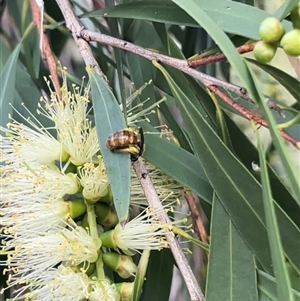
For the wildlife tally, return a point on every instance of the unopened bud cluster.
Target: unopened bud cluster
(59, 227)
(273, 34)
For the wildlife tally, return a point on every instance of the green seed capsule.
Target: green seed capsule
(291, 42)
(264, 52)
(271, 30)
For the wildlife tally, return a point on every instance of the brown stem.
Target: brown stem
(155, 203)
(182, 65)
(179, 64)
(75, 28)
(196, 216)
(250, 115)
(219, 57)
(47, 54)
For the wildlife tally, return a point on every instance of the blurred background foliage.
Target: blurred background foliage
(251, 214)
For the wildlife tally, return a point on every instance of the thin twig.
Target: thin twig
(250, 115)
(219, 57)
(179, 64)
(47, 54)
(75, 28)
(182, 65)
(196, 216)
(154, 202)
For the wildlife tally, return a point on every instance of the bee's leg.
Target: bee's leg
(134, 150)
(141, 141)
(133, 158)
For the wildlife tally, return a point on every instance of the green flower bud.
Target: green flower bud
(121, 264)
(71, 168)
(108, 198)
(126, 290)
(295, 16)
(88, 268)
(291, 42)
(84, 223)
(271, 30)
(264, 52)
(108, 239)
(105, 215)
(76, 207)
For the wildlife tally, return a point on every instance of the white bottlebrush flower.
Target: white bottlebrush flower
(103, 290)
(37, 232)
(94, 180)
(31, 143)
(69, 112)
(38, 182)
(32, 216)
(137, 113)
(144, 232)
(166, 188)
(28, 255)
(32, 199)
(61, 284)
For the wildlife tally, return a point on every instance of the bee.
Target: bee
(128, 140)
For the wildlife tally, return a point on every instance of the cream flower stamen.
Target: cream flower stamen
(61, 284)
(38, 182)
(144, 232)
(165, 186)
(103, 290)
(70, 116)
(29, 255)
(94, 180)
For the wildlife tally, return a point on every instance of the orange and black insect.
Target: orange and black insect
(129, 140)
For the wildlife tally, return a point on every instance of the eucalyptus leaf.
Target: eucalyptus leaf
(283, 283)
(8, 79)
(160, 271)
(288, 81)
(267, 287)
(109, 119)
(231, 267)
(237, 189)
(233, 17)
(176, 162)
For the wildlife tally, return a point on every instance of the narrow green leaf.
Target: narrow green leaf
(267, 287)
(193, 90)
(113, 24)
(247, 153)
(179, 164)
(173, 125)
(32, 52)
(159, 276)
(231, 267)
(7, 80)
(289, 82)
(193, 8)
(26, 91)
(140, 275)
(221, 124)
(285, 8)
(109, 119)
(234, 17)
(235, 186)
(282, 279)
(277, 140)
(227, 176)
